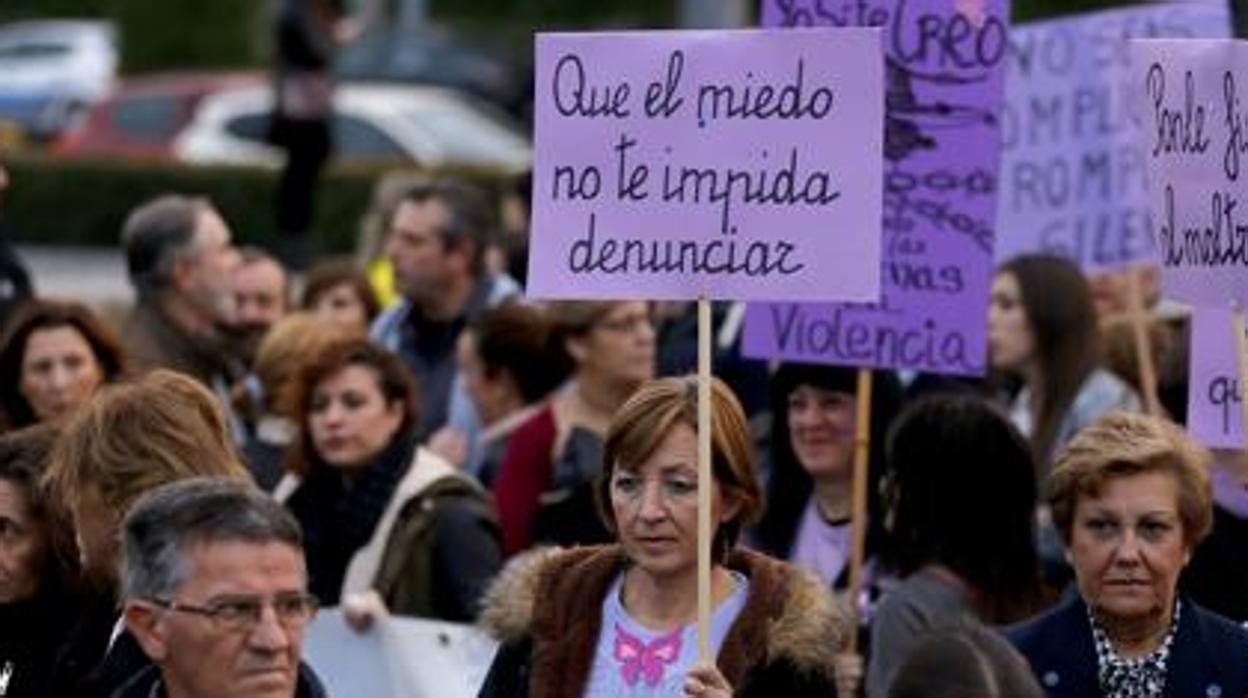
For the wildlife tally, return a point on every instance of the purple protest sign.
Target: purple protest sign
(1214, 397)
(736, 164)
(1194, 102)
(1072, 179)
(945, 62)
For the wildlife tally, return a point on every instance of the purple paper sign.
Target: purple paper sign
(1072, 179)
(945, 61)
(735, 164)
(1194, 102)
(1214, 397)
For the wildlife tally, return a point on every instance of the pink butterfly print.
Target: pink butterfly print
(638, 659)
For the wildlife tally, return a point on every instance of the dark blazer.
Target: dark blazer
(1209, 657)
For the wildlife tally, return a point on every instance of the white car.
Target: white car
(52, 71)
(429, 126)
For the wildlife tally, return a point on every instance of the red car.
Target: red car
(141, 119)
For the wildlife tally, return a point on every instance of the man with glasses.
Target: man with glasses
(215, 594)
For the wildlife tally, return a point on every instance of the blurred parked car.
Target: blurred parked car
(52, 71)
(141, 119)
(424, 55)
(378, 123)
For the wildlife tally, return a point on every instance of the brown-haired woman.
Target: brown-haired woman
(1131, 499)
(1042, 328)
(53, 356)
(383, 518)
(544, 485)
(338, 294)
(509, 368)
(132, 437)
(40, 598)
(619, 619)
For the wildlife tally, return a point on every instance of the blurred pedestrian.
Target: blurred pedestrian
(1042, 329)
(964, 660)
(810, 485)
(620, 619)
(383, 518)
(53, 357)
(339, 294)
(15, 285)
(960, 496)
(41, 596)
(130, 438)
(544, 488)
(261, 297)
(510, 364)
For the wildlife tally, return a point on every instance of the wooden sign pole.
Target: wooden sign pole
(1241, 361)
(858, 521)
(705, 531)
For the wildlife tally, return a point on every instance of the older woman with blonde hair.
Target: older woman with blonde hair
(129, 439)
(1131, 498)
(619, 619)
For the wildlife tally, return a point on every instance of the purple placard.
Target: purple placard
(1194, 100)
(735, 164)
(945, 61)
(1214, 398)
(1072, 179)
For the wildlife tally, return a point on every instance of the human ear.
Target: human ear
(145, 624)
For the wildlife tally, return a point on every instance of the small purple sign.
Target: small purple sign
(1194, 100)
(1214, 396)
(945, 64)
(735, 164)
(1073, 181)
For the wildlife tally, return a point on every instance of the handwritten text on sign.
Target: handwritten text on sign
(944, 72)
(1214, 396)
(738, 164)
(1072, 179)
(1194, 101)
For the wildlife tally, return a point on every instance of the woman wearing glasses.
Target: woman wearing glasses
(544, 484)
(619, 620)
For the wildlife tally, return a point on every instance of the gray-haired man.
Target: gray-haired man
(215, 594)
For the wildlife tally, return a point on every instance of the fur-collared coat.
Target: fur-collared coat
(546, 611)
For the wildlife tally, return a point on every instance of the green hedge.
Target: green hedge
(85, 202)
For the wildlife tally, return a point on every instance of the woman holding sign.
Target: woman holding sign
(619, 620)
(1130, 496)
(809, 490)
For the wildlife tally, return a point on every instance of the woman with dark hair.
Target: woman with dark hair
(960, 494)
(40, 598)
(1042, 329)
(510, 366)
(619, 620)
(339, 294)
(387, 524)
(53, 356)
(544, 488)
(964, 660)
(810, 487)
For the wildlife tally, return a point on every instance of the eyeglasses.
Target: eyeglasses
(242, 613)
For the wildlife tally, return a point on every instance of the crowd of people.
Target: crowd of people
(181, 490)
